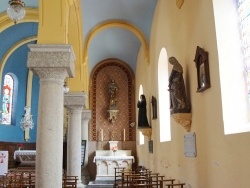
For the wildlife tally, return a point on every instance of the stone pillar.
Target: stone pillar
(86, 116)
(52, 63)
(74, 102)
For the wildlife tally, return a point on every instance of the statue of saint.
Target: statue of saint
(142, 113)
(178, 98)
(113, 93)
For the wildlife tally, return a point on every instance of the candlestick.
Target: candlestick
(124, 135)
(102, 135)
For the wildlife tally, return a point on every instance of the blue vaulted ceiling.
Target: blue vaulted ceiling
(113, 42)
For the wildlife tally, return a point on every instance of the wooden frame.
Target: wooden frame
(201, 62)
(154, 107)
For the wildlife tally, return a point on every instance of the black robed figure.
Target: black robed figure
(142, 115)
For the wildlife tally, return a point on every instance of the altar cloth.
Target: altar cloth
(25, 156)
(113, 158)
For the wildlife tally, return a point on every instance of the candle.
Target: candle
(101, 134)
(124, 135)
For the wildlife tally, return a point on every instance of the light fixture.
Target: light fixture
(132, 124)
(65, 87)
(26, 121)
(16, 10)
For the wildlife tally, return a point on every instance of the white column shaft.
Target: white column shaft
(74, 143)
(49, 150)
(74, 102)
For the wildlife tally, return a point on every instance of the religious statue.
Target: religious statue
(142, 114)
(6, 100)
(113, 93)
(178, 98)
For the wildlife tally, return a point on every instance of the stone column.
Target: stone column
(86, 116)
(74, 102)
(52, 63)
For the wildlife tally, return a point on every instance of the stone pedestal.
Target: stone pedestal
(74, 102)
(184, 119)
(52, 63)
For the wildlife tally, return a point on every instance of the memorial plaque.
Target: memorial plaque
(190, 145)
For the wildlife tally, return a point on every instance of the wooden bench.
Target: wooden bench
(69, 181)
(175, 185)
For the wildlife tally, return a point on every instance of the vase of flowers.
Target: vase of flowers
(114, 149)
(19, 146)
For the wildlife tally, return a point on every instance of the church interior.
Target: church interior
(96, 90)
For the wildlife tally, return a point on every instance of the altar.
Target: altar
(25, 157)
(107, 160)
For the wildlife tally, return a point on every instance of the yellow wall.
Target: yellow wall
(222, 160)
(60, 22)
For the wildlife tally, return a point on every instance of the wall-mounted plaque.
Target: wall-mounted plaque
(150, 146)
(190, 145)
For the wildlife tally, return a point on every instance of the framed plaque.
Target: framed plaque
(201, 62)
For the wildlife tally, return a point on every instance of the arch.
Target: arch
(163, 96)
(94, 93)
(116, 23)
(6, 22)
(81, 78)
(7, 55)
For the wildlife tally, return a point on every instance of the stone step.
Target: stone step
(102, 184)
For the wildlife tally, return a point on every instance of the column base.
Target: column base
(79, 185)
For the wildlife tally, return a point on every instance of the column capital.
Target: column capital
(86, 114)
(42, 57)
(74, 99)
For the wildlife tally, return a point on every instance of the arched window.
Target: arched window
(7, 89)
(232, 67)
(164, 112)
(244, 14)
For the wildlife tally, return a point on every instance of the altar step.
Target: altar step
(101, 183)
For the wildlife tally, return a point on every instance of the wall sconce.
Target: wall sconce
(132, 124)
(27, 122)
(65, 87)
(16, 10)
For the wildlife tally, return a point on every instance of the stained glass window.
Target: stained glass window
(244, 12)
(7, 99)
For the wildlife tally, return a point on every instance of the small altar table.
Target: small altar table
(25, 157)
(106, 164)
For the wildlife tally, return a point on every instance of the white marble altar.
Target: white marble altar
(25, 156)
(106, 161)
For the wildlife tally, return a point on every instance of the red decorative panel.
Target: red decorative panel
(101, 77)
